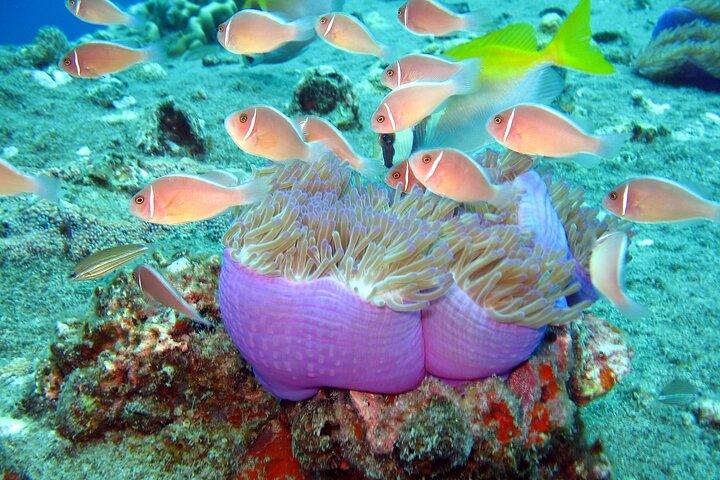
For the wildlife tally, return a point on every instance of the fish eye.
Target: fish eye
(323, 20)
(426, 159)
(72, 3)
(380, 118)
(390, 72)
(221, 28)
(613, 195)
(66, 62)
(140, 200)
(498, 119)
(400, 12)
(396, 175)
(243, 118)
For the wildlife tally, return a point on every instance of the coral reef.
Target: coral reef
(189, 23)
(685, 50)
(131, 367)
(50, 44)
(172, 128)
(325, 91)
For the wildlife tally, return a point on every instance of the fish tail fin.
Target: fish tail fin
(586, 160)
(133, 21)
(303, 29)
(316, 151)
(716, 213)
(506, 195)
(633, 310)
(253, 191)
(477, 20)
(571, 47)
(466, 80)
(390, 53)
(371, 169)
(610, 144)
(48, 188)
(154, 53)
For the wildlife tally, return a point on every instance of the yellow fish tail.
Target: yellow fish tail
(571, 47)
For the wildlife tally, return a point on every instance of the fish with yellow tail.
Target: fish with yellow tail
(266, 132)
(316, 129)
(346, 33)
(429, 17)
(155, 286)
(513, 50)
(13, 182)
(658, 200)
(108, 260)
(533, 129)
(179, 199)
(96, 59)
(419, 66)
(607, 265)
(408, 105)
(452, 174)
(99, 12)
(251, 32)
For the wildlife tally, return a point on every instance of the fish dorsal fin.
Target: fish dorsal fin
(226, 179)
(518, 35)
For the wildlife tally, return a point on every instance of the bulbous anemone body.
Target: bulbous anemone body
(300, 336)
(328, 285)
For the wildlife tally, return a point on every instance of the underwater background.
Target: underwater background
(97, 382)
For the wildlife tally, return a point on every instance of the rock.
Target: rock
(10, 152)
(707, 412)
(43, 79)
(602, 359)
(172, 128)
(106, 92)
(647, 133)
(118, 172)
(326, 92)
(550, 22)
(639, 99)
(50, 44)
(149, 72)
(83, 152)
(124, 102)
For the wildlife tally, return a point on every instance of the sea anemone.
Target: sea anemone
(334, 283)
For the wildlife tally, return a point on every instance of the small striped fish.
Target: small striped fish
(105, 261)
(678, 392)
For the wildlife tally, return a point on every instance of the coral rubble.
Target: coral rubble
(327, 92)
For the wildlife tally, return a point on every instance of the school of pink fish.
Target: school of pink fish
(442, 96)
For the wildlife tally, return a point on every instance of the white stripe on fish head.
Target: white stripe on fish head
(434, 166)
(405, 16)
(625, 199)
(330, 25)
(77, 8)
(227, 32)
(152, 202)
(398, 72)
(251, 127)
(509, 125)
(77, 62)
(139, 279)
(390, 116)
(407, 176)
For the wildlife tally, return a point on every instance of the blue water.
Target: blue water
(21, 19)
